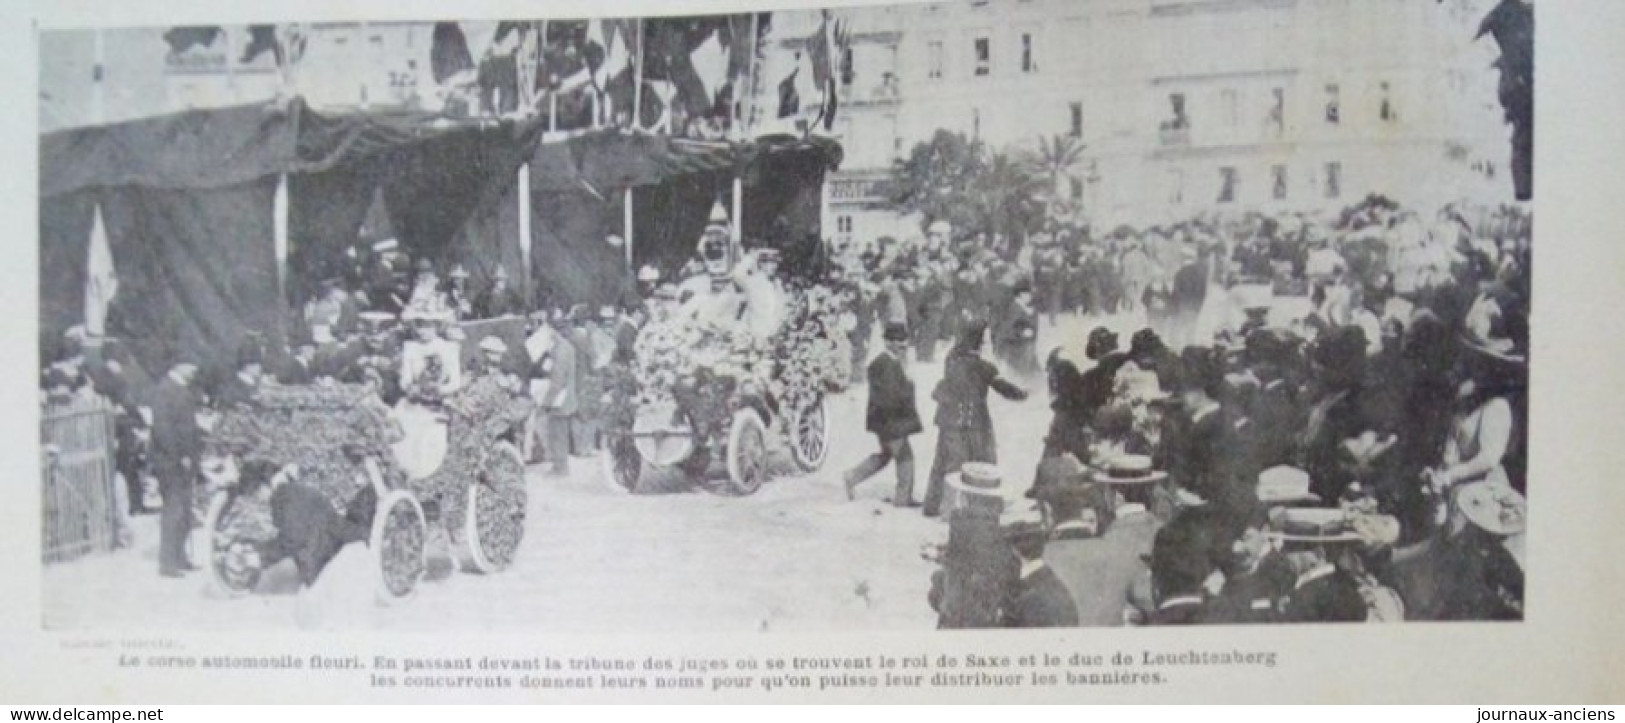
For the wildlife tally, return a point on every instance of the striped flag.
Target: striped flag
(101, 283)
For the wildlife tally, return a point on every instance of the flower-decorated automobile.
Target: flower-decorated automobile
(351, 469)
(711, 389)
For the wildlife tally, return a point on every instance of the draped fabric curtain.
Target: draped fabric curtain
(450, 199)
(325, 214)
(64, 228)
(197, 271)
(570, 261)
(669, 217)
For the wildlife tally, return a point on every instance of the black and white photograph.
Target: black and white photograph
(935, 316)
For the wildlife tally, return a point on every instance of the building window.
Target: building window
(975, 123)
(984, 55)
(1334, 180)
(1277, 117)
(1076, 125)
(846, 66)
(1228, 183)
(1386, 110)
(1176, 186)
(934, 59)
(1278, 174)
(1029, 63)
(1229, 104)
(1176, 103)
(1334, 110)
(1075, 188)
(843, 224)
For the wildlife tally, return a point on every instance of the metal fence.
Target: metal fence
(80, 508)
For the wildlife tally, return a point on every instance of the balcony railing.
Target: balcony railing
(858, 96)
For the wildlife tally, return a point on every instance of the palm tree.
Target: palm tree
(1056, 158)
(1007, 197)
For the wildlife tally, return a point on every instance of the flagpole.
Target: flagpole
(637, 88)
(552, 96)
(98, 113)
(750, 89)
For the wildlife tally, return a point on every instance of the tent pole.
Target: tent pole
(524, 232)
(626, 223)
(738, 225)
(279, 234)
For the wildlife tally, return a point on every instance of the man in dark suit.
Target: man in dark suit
(1201, 456)
(242, 388)
(1038, 598)
(1185, 298)
(892, 417)
(1180, 563)
(1103, 573)
(300, 366)
(1322, 592)
(177, 445)
(499, 299)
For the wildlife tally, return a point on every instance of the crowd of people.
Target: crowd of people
(1323, 419)
(1358, 455)
(403, 336)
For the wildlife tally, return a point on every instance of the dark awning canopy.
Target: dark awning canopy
(218, 148)
(614, 159)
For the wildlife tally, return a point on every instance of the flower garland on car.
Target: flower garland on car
(319, 428)
(810, 349)
(804, 359)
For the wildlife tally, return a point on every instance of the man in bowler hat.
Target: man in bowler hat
(892, 417)
(177, 445)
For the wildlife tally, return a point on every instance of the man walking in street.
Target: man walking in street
(177, 445)
(892, 418)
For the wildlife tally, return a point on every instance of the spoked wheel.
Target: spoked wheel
(494, 519)
(747, 452)
(399, 543)
(233, 560)
(809, 435)
(623, 463)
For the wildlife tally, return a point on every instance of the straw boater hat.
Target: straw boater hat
(1492, 507)
(428, 308)
(1312, 525)
(1064, 477)
(1129, 469)
(940, 226)
(1283, 486)
(458, 272)
(981, 480)
(606, 313)
(1022, 522)
(648, 273)
(494, 344)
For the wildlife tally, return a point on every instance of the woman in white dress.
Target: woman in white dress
(431, 368)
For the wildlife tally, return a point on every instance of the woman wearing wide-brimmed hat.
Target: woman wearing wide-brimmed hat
(1472, 569)
(964, 426)
(1482, 431)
